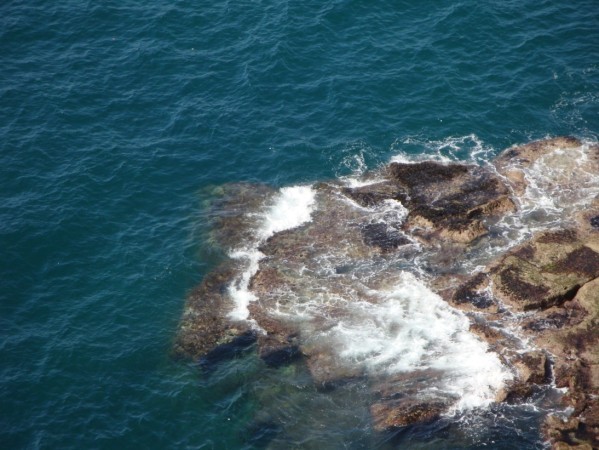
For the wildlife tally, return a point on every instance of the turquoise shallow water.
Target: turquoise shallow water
(116, 119)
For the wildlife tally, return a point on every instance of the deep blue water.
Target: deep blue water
(118, 118)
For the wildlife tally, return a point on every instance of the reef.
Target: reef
(526, 278)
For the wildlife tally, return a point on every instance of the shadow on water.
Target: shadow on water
(229, 351)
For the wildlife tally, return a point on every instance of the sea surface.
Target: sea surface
(120, 120)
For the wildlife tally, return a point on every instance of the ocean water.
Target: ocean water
(118, 123)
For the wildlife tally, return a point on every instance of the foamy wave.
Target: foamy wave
(291, 208)
(413, 329)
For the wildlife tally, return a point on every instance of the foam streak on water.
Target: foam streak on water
(291, 208)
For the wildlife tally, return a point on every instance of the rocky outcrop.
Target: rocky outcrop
(536, 304)
(445, 201)
(450, 201)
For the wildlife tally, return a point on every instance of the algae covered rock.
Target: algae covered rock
(544, 272)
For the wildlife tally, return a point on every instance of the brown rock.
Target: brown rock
(546, 271)
(534, 367)
(576, 349)
(400, 413)
(205, 326)
(450, 201)
(385, 237)
(405, 399)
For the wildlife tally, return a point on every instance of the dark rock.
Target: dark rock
(280, 356)
(277, 351)
(472, 292)
(425, 173)
(450, 201)
(583, 260)
(374, 194)
(595, 222)
(519, 392)
(555, 320)
(383, 236)
(557, 237)
(230, 349)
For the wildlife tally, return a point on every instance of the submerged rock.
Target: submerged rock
(398, 413)
(408, 398)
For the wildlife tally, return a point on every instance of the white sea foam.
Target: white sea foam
(291, 207)
(469, 148)
(558, 185)
(413, 329)
(356, 182)
(550, 188)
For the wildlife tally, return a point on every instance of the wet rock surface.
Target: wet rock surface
(533, 298)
